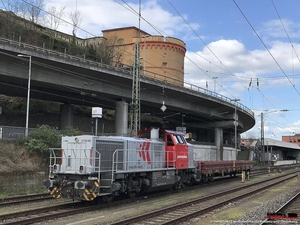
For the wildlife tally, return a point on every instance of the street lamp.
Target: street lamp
(28, 92)
(235, 125)
(145, 36)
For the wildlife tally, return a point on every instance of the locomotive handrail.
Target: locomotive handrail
(91, 157)
(142, 160)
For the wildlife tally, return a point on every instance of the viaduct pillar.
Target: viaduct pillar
(219, 143)
(121, 118)
(66, 116)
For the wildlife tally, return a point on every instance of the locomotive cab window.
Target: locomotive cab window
(169, 141)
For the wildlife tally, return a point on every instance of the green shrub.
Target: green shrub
(40, 140)
(70, 131)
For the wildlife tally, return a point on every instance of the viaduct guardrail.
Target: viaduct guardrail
(184, 86)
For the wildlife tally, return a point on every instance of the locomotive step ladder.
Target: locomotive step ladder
(106, 183)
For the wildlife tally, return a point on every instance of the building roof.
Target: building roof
(126, 28)
(283, 144)
(255, 143)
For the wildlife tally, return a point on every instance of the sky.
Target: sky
(242, 49)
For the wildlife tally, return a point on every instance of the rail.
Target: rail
(163, 80)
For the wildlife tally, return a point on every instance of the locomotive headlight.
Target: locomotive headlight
(56, 168)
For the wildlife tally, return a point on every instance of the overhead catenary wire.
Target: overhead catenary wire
(266, 47)
(285, 31)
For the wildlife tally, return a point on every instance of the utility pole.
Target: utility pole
(262, 132)
(135, 98)
(235, 124)
(135, 104)
(262, 135)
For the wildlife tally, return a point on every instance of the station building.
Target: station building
(274, 151)
(292, 139)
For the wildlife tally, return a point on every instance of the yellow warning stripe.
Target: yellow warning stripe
(53, 190)
(86, 197)
(96, 183)
(89, 195)
(58, 196)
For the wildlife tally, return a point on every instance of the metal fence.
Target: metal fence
(10, 132)
(7, 132)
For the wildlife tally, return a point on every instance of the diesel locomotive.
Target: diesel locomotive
(90, 167)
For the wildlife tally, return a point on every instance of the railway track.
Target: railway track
(288, 213)
(46, 213)
(14, 200)
(62, 210)
(188, 210)
(39, 214)
(43, 214)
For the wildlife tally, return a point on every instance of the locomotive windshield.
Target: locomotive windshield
(180, 139)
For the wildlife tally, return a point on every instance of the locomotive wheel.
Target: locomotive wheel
(108, 198)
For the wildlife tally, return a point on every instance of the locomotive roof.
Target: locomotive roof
(164, 131)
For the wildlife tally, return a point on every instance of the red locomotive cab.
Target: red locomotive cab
(176, 147)
(176, 150)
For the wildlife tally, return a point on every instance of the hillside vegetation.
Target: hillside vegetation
(31, 154)
(16, 158)
(16, 28)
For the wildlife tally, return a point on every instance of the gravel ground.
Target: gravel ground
(259, 213)
(252, 210)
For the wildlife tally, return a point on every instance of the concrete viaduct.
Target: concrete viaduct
(75, 81)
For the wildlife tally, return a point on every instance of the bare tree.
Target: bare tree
(76, 21)
(55, 16)
(110, 52)
(34, 9)
(8, 24)
(10, 5)
(30, 9)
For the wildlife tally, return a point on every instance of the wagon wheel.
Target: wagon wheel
(205, 179)
(107, 198)
(132, 194)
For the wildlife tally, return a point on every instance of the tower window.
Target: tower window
(121, 41)
(164, 64)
